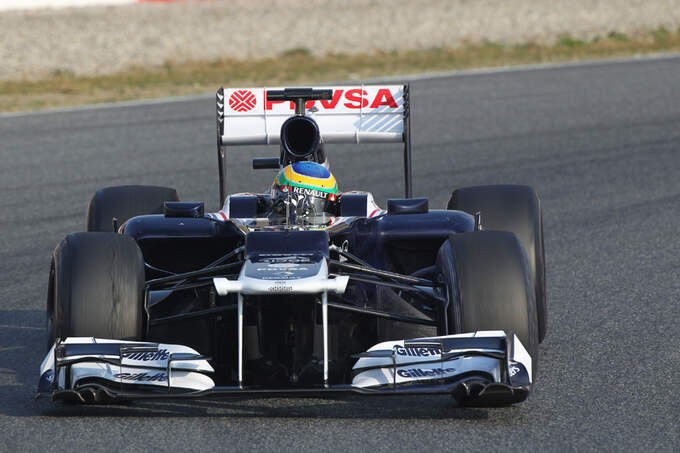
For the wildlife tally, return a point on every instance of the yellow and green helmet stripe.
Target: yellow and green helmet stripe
(308, 175)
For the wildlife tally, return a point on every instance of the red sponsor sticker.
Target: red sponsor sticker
(354, 98)
(242, 101)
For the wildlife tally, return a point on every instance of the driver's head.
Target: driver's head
(310, 191)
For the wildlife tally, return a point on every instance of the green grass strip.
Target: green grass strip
(299, 66)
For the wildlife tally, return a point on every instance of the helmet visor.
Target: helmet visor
(305, 206)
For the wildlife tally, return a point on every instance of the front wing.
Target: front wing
(485, 368)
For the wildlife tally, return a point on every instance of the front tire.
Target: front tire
(517, 209)
(96, 288)
(489, 287)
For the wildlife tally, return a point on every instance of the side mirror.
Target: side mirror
(407, 206)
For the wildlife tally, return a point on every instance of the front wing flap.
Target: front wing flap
(486, 367)
(118, 366)
(483, 368)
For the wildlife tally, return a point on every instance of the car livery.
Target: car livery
(252, 300)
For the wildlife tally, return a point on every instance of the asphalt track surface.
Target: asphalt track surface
(600, 143)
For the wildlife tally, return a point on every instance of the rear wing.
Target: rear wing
(354, 114)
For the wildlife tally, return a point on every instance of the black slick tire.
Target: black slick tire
(96, 288)
(517, 209)
(125, 202)
(489, 286)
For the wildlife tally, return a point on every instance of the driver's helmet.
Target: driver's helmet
(308, 190)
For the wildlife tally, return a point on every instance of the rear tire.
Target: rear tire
(489, 286)
(124, 203)
(96, 288)
(517, 209)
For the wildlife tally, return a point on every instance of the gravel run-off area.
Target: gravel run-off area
(103, 40)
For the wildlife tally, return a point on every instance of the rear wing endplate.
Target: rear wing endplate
(354, 114)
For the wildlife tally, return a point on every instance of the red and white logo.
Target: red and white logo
(353, 99)
(242, 100)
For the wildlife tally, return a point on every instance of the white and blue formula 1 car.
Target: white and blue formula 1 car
(303, 289)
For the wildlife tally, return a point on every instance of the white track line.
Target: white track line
(402, 78)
